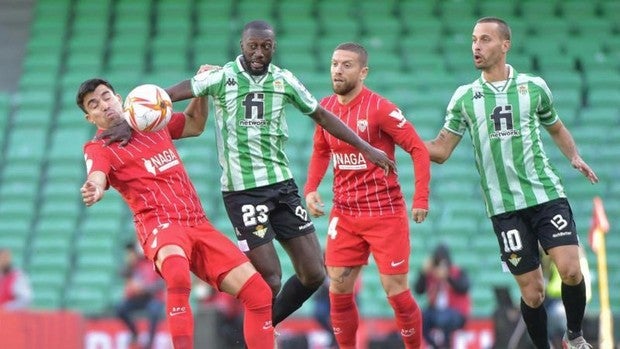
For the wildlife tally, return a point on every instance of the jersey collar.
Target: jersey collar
(360, 96)
(511, 74)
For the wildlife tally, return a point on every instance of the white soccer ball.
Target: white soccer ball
(147, 108)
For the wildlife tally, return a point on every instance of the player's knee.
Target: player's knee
(255, 293)
(313, 279)
(274, 281)
(534, 298)
(570, 274)
(175, 271)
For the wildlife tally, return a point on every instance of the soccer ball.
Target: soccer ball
(147, 108)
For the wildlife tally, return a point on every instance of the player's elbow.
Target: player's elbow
(438, 157)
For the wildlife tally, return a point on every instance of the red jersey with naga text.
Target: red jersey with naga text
(360, 187)
(149, 175)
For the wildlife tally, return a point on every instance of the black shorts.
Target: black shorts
(261, 214)
(518, 233)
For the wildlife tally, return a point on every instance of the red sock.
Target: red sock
(256, 297)
(345, 319)
(408, 318)
(175, 271)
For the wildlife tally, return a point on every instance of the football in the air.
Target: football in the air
(147, 108)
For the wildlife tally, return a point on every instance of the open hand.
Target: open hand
(582, 167)
(91, 193)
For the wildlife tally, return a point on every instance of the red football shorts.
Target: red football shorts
(211, 253)
(350, 240)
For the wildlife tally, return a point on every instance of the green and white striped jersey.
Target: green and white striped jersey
(251, 128)
(503, 119)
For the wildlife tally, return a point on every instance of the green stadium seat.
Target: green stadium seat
(602, 80)
(26, 143)
(464, 9)
(126, 60)
(89, 300)
(379, 10)
(46, 297)
(66, 143)
(556, 63)
(588, 27)
(563, 80)
(33, 115)
(498, 8)
(341, 30)
(419, 10)
(249, 10)
(536, 46)
(535, 11)
(604, 97)
(386, 32)
(575, 10)
(131, 27)
(601, 115)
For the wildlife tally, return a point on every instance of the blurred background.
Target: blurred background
(420, 52)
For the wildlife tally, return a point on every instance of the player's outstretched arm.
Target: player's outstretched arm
(564, 140)
(180, 91)
(92, 190)
(332, 124)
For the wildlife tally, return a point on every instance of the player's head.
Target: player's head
(102, 105)
(258, 43)
(349, 68)
(490, 42)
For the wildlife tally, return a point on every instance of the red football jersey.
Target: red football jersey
(150, 176)
(360, 187)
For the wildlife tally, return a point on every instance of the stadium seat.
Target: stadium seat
(248, 10)
(576, 11)
(500, 9)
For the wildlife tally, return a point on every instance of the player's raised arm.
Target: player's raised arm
(180, 91)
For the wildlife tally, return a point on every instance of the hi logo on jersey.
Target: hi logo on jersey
(350, 161)
(503, 122)
(161, 162)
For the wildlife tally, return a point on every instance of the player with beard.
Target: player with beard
(524, 195)
(261, 198)
(369, 213)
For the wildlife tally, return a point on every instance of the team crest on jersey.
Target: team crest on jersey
(161, 162)
(278, 85)
(362, 125)
(523, 89)
(260, 231)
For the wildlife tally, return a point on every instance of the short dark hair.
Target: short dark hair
(504, 29)
(357, 48)
(89, 86)
(258, 25)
